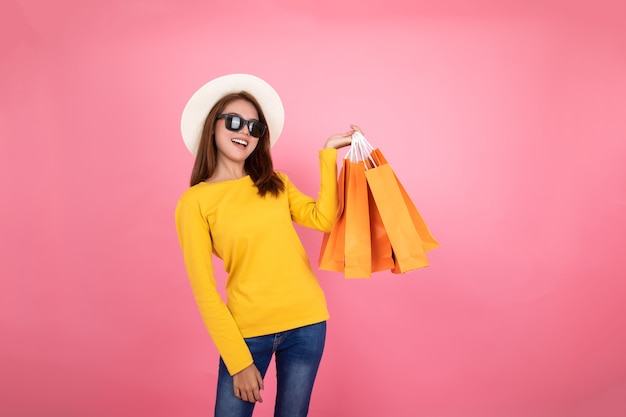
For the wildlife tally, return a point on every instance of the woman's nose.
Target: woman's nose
(245, 130)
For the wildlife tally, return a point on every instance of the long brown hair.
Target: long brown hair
(258, 165)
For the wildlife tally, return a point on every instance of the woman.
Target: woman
(241, 210)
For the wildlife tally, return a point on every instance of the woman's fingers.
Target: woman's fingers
(356, 128)
(342, 139)
(247, 384)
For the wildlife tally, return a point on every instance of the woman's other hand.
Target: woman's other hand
(342, 139)
(247, 384)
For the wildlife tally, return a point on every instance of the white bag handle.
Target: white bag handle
(360, 150)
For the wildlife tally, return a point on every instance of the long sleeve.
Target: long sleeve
(195, 241)
(322, 213)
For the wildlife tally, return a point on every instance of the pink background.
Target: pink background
(505, 122)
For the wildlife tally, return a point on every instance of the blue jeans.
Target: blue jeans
(298, 355)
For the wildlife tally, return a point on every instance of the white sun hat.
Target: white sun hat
(203, 100)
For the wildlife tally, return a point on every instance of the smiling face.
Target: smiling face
(235, 146)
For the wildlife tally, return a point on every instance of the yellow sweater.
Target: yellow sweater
(271, 286)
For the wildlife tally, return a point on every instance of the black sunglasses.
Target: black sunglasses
(235, 123)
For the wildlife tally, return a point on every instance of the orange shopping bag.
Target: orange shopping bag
(347, 247)
(358, 251)
(332, 252)
(382, 254)
(428, 241)
(405, 240)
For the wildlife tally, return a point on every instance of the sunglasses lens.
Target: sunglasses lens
(233, 123)
(256, 129)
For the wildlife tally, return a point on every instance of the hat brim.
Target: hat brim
(203, 100)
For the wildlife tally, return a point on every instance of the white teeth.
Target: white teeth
(240, 141)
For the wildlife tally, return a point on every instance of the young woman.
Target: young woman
(241, 210)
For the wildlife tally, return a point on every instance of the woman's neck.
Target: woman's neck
(227, 171)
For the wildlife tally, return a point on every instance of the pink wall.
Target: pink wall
(505, 122)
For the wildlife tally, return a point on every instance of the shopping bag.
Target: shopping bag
(382, 254)
(347, 247)
(357, 250)
(407, 245)
(428, 241)
(333, 243)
